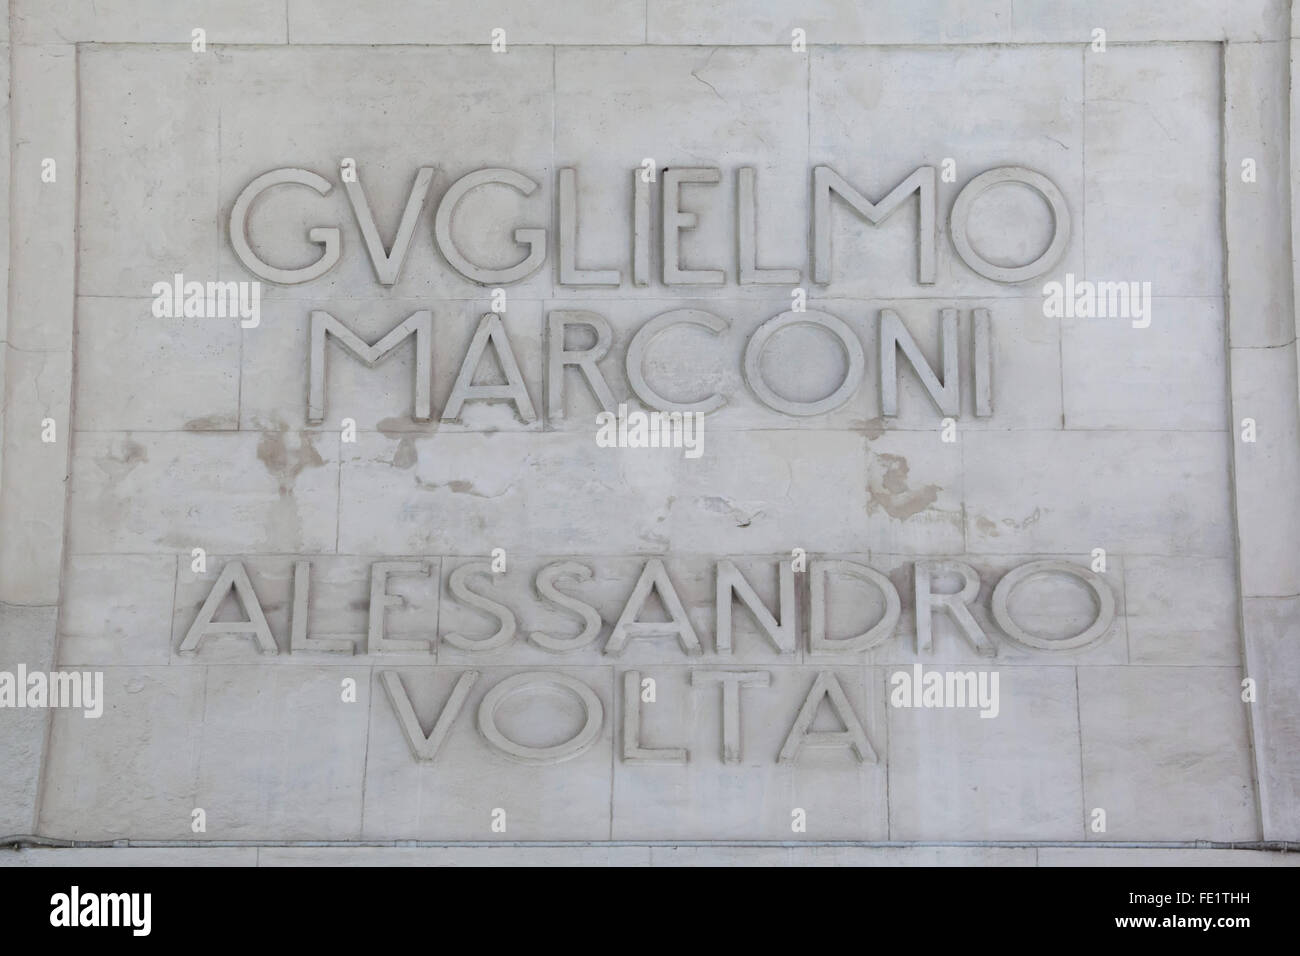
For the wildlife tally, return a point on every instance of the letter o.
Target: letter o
(519, 683)
(959, 219)
(822, 320)
(1017, 576)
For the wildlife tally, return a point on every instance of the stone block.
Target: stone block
(250, 492)
(1182, 611)
(132, 772)
(1153, 143)
(116, 609)
(150, 130)
(1025, 493)
(921, 107)
(456, 795)
(446, 21)
(282, 753)
(1169, 376)
(954, 775)
(193, 382)
(1166, 753)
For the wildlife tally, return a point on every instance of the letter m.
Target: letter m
(1116, 296)
(827, 181)
(419, 324)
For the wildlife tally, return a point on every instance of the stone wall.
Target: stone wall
(393, 567)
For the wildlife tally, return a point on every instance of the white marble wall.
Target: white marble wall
(175, 434)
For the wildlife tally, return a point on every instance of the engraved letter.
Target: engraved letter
(328, 237)
(653, 577)
(520, 683)
(546, 579)
(426, 748)
(418, 324)
(557, 358)
(780, 632)
(534, 239)
(746, 229)
(570, 274)
(819, 643)
(491, 330)
(234, 576)
(381, 601)
(388, 265)
(955, 604)
(893, 336)
(640, 344)
(731, 682)
(457, 584)
(675, 220)
(633, 752)
(827, 181)
(827, 685)
(1105, 600)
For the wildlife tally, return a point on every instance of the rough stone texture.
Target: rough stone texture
(1165, 752)
(155, 21)
(1274, 627)
(951, 21)
(28, 639)
(38, 379)
(551, 856)
(184, 433)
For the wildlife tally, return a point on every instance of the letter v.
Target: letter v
(388, 265)
(426, 748)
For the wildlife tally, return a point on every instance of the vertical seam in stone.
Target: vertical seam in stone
(1233, 510)
(365, 758)
(197, 753)
(613, 741)
(1123, 593)
(550, 271)
(961, 475)
(1083, 779)
(338, 489)
(1083, 186)
(67, 426)
(882, 688)
(176, 586)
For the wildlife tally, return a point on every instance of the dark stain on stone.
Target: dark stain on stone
(888, 489)
(394, 427)
(132, 453)
(405, 456)
(457, 487)
(210, 423)
(286, 463)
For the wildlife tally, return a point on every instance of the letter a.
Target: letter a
(232, 575)
(827, 686)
